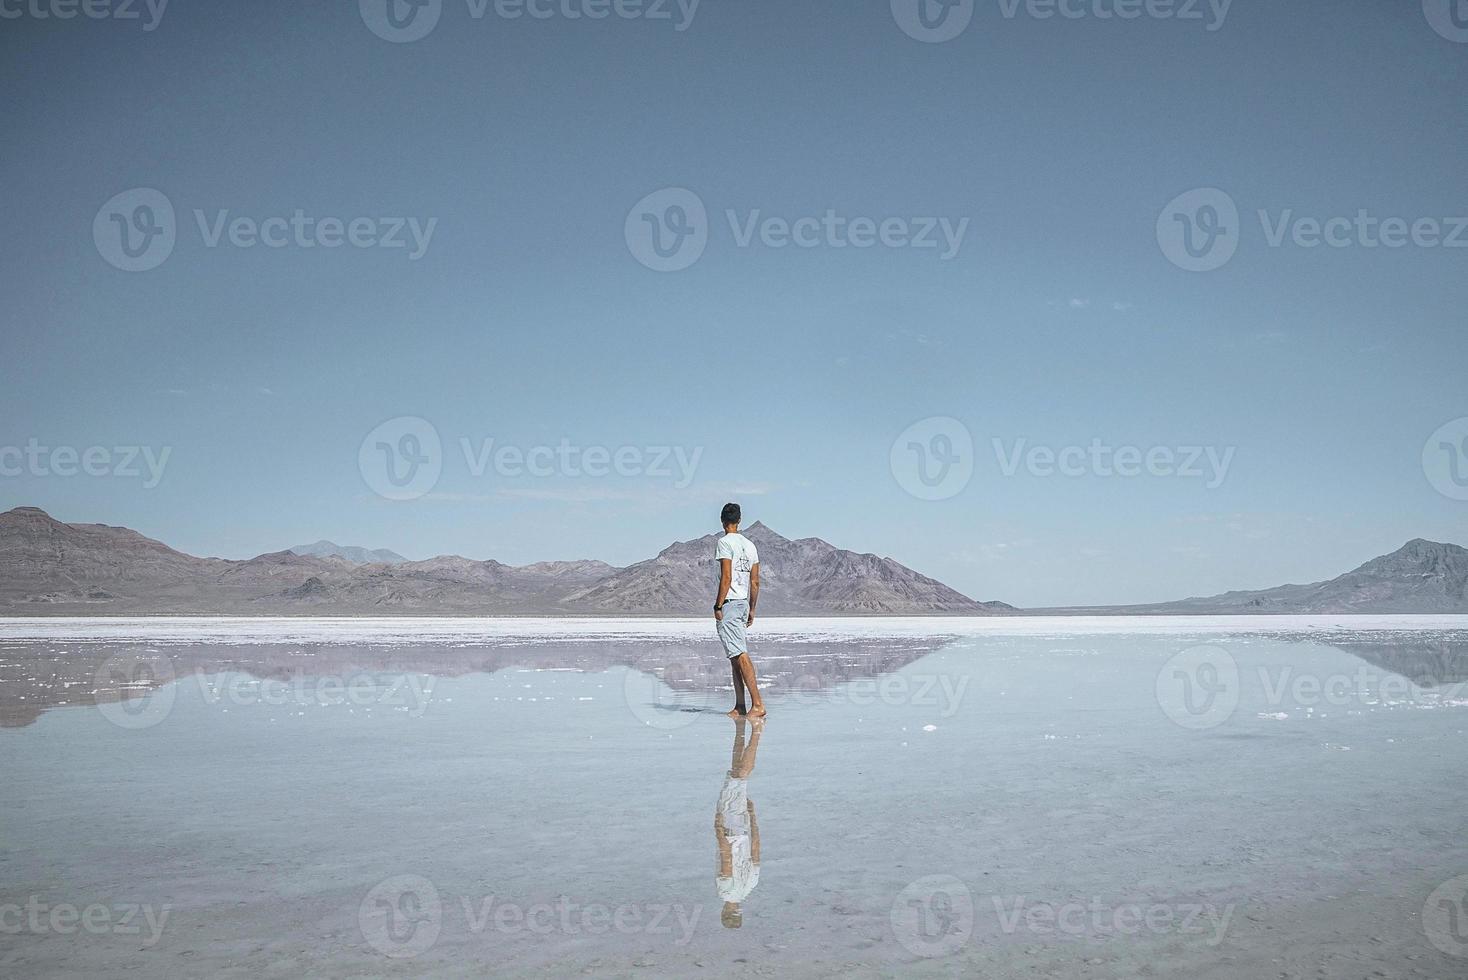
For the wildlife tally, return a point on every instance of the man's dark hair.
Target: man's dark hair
(731, 514)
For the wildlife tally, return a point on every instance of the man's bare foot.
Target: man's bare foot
(736, 713)
(758, 711)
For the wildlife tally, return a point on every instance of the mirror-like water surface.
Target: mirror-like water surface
(1222, 799)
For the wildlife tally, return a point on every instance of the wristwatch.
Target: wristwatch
(718, 606)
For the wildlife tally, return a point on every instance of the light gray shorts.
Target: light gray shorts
(732, 628)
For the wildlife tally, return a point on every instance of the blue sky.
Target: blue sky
(788, 373)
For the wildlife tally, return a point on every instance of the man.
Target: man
(734, 607)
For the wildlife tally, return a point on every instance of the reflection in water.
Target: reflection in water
(735, 828)
(1427, 661)
(36, 676)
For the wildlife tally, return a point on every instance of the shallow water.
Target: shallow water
(1220, 798)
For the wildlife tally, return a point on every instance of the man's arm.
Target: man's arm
(726, 577)
(753, 592)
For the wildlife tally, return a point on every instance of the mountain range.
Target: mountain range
(353, 554)
(1419, 577)
(51, 568)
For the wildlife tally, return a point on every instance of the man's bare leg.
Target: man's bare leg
(757, 703)
(738, 711)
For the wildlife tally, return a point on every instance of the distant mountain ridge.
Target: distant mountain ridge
(352, 553)
(1419, 577)
(804, 576)
(49, 567)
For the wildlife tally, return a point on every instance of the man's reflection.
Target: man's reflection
(735, 828)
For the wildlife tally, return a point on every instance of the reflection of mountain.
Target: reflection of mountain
(35, 677)
(48, 568)
(1428, 662)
